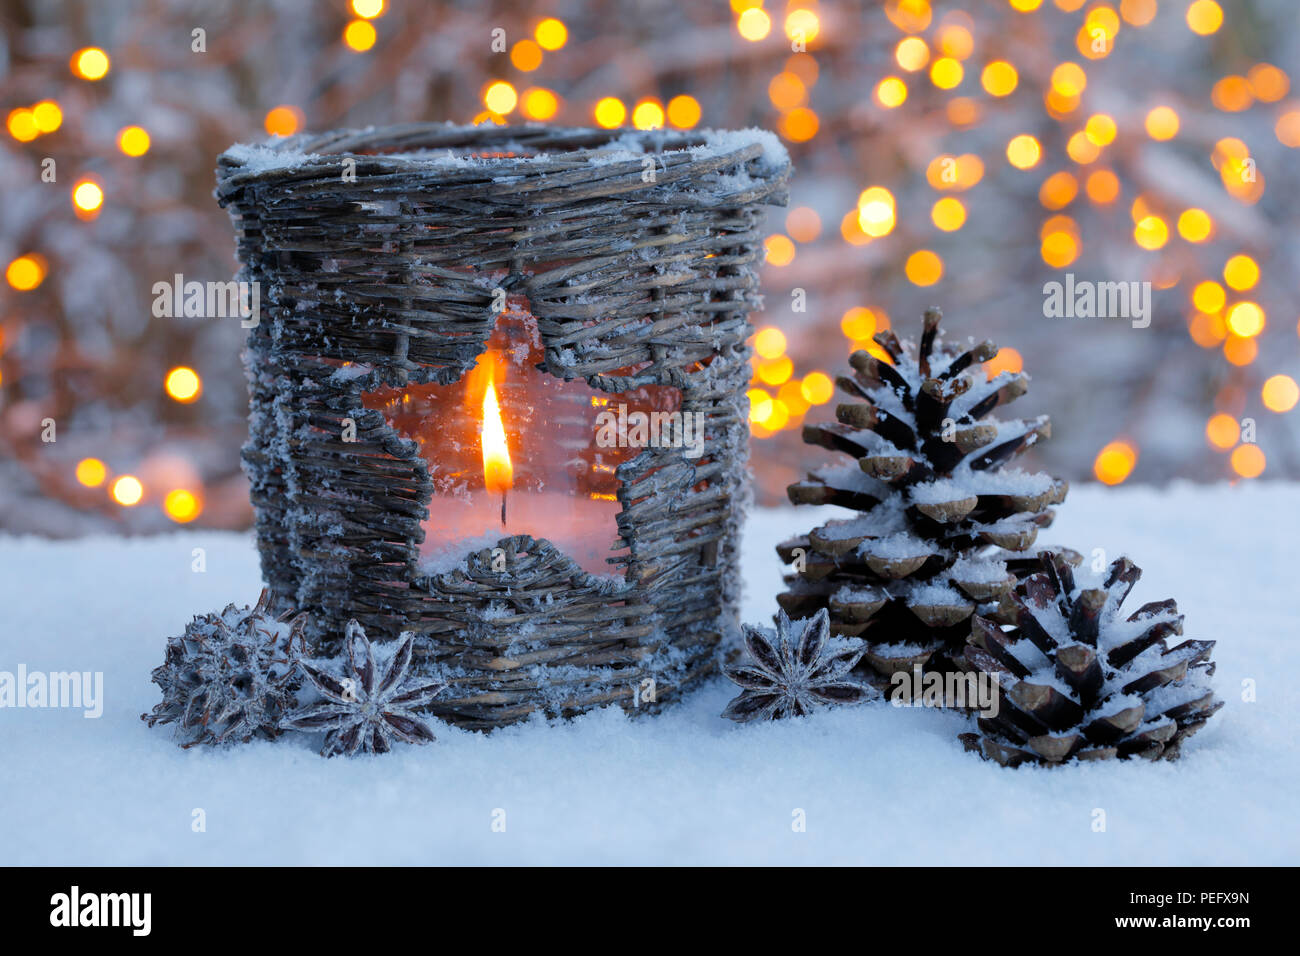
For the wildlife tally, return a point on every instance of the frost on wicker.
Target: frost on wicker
(636, 253)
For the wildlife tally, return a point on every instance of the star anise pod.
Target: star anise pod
(795, 670)
(365, 712)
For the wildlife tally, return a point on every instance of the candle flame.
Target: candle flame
(498, 472)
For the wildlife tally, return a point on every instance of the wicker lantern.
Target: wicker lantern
(497, 385)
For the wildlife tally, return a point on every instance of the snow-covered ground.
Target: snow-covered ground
(875, 784)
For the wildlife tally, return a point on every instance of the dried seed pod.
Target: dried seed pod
(231, 676)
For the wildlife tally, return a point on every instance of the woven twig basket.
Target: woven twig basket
(379, 250)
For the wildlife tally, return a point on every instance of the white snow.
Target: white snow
(683, 787)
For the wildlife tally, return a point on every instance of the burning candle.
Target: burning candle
(513, 450)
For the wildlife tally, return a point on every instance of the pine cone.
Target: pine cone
(1079, 682)
(944, 522)
(231, 676)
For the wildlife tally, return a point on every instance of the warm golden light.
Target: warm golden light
(1162, 123)
(609, 112)
(910, 16)
(999, 78)
(1268, 84)
(955, 40)
(800, 125)
(1115, 462)
(127, 491)
(778, 250)
(912, 54)
(91, 472)
(1007, 360)
(1137, 12)
(1100, 129)
(359, 35)
(802, 25)
(182, 505)
(770, 343)
(1246, 319)
(25, 273)
(1280, 393)
(1240, 272)
(90, 63)
(282, 121)
(47, 116)
(1023, 151)
(1204, 17)
(1150, 232)
(858, 323)
(818, 389)
(1102, 186)
(876, 213)
(948, 214)
(183, 384)
(1081, 149)
(87, 197)
(946, 72)
(368, 9)
(551, 34)
(1068, 79)
(1207, 330)
(526, 55)
(22, 125)
(540, 103)
(1222, 431)
(1240, 351)
(754, 24)
(776, 371)
(648, 114)
(1248, 461)
(683, 111)
(1195, 225)
(924, 268)
(1209, 296)
(787, 91)
(1058, 190)
(891, 92)
(133, 140)
(500, 97)
(803, 224)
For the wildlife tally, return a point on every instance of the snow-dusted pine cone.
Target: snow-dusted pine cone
(944, 523)
(367, 710)
(794, 671)
(231, 676)
(1078, 681)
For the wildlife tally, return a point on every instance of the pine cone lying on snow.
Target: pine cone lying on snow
(944, 523)
(231, 676)
(1080, 682)
(794, 671)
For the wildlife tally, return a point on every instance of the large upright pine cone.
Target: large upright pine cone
(231, 676)
(943, 519)
(1078, 681)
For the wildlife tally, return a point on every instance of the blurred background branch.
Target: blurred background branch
(959, 154)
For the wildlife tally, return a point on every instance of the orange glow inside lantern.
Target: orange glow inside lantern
(514, 450)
